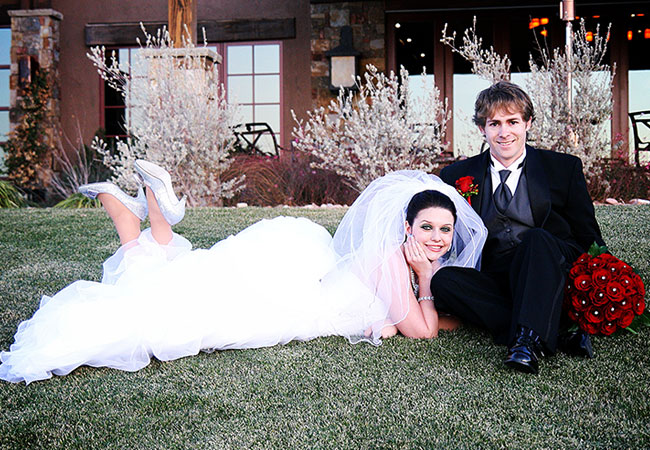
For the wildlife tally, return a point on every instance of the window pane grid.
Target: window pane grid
(251, 74)
(254, 82)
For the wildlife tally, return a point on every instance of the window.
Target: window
(253, 80)
(5, 71)
(638, 37)
(252, 76)
(113, 113)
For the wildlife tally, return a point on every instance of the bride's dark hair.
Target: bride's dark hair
(428, 199)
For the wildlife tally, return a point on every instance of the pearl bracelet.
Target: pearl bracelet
(429, 297)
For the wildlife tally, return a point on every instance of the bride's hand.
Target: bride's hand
(416, 258)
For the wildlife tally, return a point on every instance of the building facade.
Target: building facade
(275, 54)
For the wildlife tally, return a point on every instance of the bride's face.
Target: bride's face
(433, 228)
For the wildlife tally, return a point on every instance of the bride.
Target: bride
(278, 280)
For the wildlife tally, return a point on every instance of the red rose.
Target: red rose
(594, 314)
(583, 259)
(465, 183)
(626, 269)
(640, 288)
(608, 257)
(615, 291)
(615, 267)
(466, 187)
(608, 327)
(626, 303)
(598, 297)
(626, 318)
(600, 277)
(596, 263)
(613, 311)
(577, 270)
(588, 326)
(579, 302)
(582, 282)
(638, 305)
(629, 287)
(574, 315)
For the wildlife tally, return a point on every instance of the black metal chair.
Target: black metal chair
(249, 134)
(641, 144)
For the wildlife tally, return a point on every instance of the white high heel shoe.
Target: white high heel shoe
(160, 182)
(137, 205)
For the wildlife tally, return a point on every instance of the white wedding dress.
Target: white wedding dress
(261, 287)
(278, 280)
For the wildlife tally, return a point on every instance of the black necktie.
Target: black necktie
(502, 195)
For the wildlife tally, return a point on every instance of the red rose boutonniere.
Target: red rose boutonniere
(603, 293)
(466, 187)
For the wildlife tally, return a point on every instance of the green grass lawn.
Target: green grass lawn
(451, 392)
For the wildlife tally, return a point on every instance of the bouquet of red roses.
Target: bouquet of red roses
(603, 293)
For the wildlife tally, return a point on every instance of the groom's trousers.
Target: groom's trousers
(522, 287)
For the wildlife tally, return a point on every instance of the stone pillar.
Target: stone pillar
(368, 30)
(35, 44)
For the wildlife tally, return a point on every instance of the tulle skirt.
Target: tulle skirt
(274, 282)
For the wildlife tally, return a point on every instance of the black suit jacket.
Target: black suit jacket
(557, 191)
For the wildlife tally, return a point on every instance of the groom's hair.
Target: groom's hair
(504, 96)
(428, 199)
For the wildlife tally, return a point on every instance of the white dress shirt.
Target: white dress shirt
(515, 172)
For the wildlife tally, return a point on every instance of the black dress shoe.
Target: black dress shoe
(526, 350)
(575, 343)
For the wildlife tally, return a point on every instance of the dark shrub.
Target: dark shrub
(287, 180)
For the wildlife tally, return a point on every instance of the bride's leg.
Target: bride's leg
(126, 223)
(160, 228)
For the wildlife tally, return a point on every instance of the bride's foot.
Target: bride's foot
(159, 181)
(137, 205)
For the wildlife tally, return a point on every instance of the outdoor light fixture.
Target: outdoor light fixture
(343, 62)
(27, 65)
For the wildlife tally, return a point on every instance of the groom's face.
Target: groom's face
(505, 133)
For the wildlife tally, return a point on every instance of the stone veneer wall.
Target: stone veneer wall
(367, 21)
(35, 34)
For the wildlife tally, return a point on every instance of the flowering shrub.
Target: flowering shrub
(378, 130)
(180, 119)
(485, 62)
(603, 293)
(579, 129)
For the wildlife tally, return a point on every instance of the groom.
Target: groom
(539, 217)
